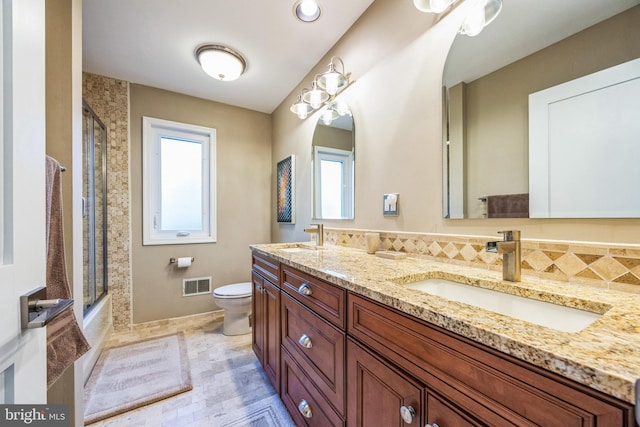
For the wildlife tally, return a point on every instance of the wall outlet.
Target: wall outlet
(390, 204)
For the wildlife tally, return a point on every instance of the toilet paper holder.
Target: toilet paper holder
(175, 260)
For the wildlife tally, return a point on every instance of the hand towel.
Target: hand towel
(65, 341)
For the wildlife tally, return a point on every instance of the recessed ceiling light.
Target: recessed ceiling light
(221, 62)
(307, 10)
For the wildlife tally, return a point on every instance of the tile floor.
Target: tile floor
(227, 378)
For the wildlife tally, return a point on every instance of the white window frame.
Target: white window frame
(153, 130)
(335, 155)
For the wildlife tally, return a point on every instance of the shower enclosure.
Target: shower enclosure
(94, 207)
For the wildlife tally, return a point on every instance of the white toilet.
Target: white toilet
(235, 299)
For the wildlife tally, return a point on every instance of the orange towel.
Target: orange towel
(65, 341)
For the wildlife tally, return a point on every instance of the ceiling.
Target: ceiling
(152, 42)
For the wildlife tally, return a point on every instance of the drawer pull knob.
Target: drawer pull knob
(305, 341)
(407, 413)
(431, 425)
(305, 289)
(304, 409)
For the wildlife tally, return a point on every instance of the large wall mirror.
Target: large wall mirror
(333, 163)
(532, 46)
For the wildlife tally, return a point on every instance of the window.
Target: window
(179, 199)
(333, 171)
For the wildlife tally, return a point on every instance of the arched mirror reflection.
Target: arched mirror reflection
(333, 163)
(534, 46)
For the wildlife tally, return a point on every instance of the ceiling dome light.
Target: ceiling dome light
(221, 62)
(307, 10)
(432, 6)
(480, 15)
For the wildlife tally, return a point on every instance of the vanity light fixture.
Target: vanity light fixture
(221, 62)
(432, 6)
(332, 80)
(481, 14)
(301, 108)
(307, 10)
(324, 88)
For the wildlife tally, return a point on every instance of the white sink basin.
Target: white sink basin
(561, 318)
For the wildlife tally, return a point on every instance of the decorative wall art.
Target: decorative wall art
(285, 191)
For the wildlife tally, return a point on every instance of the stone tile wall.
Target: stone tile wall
(109, 98)
(594, 264)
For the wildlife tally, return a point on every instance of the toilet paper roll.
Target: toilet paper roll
(184, 262)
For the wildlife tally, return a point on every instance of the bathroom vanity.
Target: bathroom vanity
(346, 341)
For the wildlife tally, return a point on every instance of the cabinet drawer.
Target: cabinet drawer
(296, 389)
(506, 387)
(323, 298)
(267, 267)
(317, 346)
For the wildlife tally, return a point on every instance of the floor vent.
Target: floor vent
(196, 286)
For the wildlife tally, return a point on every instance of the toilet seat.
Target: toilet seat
(236, 290)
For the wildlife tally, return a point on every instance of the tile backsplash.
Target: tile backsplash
(595, 264)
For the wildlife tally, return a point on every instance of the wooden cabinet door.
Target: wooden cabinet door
(376, 392)
(443, 413)
(257, 316)
(266, 327)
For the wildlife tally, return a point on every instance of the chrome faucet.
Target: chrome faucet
(509, 247)
(318, 231)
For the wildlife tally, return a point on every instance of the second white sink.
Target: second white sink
(561, 318)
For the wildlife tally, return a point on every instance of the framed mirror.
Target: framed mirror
(333, 163)
(532, 46)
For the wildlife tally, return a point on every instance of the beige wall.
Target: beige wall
(397, 57)
(64, 143)
(243, 200)
(497, 112)
(326, 136)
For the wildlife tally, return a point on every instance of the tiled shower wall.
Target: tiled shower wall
(594, 264)
(109, 98)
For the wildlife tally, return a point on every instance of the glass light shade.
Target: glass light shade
(307, 10)
(315, 97)
(329, 115)
(480, 15)
(332, 81)
(221, 62)
(300, 108)
(432, 6)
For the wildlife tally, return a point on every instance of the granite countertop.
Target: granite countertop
(605, 355)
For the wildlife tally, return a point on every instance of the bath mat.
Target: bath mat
(137, 374)
(269, 412)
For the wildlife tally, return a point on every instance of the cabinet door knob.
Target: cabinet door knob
(407, 413)
(431, 425)
(304, 409)
(305, 341)
(304, 289)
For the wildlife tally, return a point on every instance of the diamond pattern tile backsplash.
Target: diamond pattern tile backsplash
(594, 264)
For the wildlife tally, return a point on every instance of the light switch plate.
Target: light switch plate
(390, 203)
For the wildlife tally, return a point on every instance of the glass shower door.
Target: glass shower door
(94, 208)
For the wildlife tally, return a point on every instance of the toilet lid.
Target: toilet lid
(236, 290)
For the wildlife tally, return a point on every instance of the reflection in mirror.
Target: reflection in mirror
(533, 45)
(333, 163)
